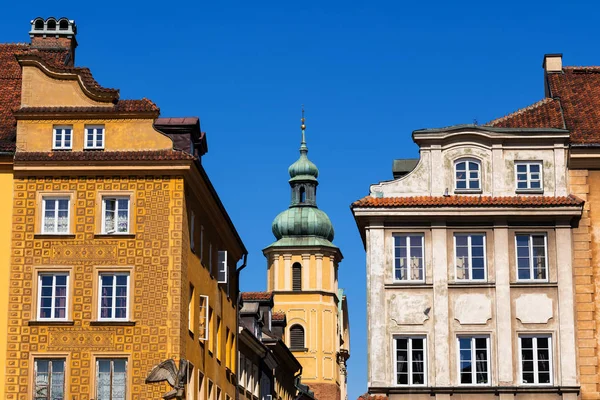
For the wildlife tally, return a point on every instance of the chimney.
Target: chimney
(552, 63)
(54, 34)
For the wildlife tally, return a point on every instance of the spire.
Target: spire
(303, 169)
(303, 148)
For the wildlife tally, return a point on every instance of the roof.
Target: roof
(121, 106)
(367, 396)
(260, 296)
(572, 102)
(92, 156)
(467, 201)
(278, 316)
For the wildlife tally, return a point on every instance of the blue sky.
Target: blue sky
(369, 73)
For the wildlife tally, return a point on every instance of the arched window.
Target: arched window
(51, 25)
(296, 277)
(39, 25)
(296, 337)
(63, 25)
(302, 195)
(467, 174)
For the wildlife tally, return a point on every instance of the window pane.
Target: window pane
(534, 168)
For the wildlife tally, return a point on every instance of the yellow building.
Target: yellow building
(122, 254)
(303, 276)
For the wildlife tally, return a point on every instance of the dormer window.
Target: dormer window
(467, 175)
(94, 137)
(62, 137)
(529, 176)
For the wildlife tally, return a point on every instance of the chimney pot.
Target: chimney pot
(552, 62)
(54, 34)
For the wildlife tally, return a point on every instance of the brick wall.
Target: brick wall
(325, 391)
(586, 185)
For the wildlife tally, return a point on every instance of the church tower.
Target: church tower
(303, 276)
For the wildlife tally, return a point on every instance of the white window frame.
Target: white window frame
(222, 269)
(191, 295)
(531, 260)
(470, 257)
(116, 217)
(528, 165)
(467, 179)
(114, 302)
(410, 361)
(62, 145)
(535, 359)
(53, 309)
(473, 360)
(55, 230)
(203, 335)
(408, 257)
(95, 145)
(51, 360)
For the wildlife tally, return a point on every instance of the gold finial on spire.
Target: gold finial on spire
(303, 127)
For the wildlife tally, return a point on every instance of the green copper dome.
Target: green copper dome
(303, 224)
(303, 221)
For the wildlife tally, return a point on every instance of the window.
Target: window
(218, 393)
(297, 337)
(474, 360)
(467, 175)
(242, 368)
(222, 266)
(218, 339)
(56, 215)
(201, 388)
(115, 215)
(114, 296)
(94, 137)
(529, 175)
(411, 366)
(111, 379)
(408, 257)
(210, 390)
(52, 296)
(203, 324)
(536, 360)
(532, 261)
(191, 309)
(62, 137)
(470, 256)
(211, 331)
(49, 379)
(201, 243)
(302, 195)
(296, 277)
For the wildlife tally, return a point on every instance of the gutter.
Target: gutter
(237, 320)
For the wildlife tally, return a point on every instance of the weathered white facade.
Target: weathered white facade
(469, 269)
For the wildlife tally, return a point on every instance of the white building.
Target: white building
(469, 276)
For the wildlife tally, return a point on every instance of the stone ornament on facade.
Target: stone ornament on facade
(177, 378)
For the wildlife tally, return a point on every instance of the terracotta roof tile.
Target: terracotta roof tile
(93, 156)
(278, 316)
(574, 95)
(543, 114)
(121, 106)
(466, 201)
(257, 296)
(368, 396)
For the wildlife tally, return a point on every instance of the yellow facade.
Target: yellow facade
(6, 182)
(156, 253)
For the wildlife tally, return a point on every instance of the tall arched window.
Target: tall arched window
(467, 174)
(296, 277)
(302, 195)
(296, 337)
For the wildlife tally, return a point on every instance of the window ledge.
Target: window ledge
(54, 236)
(468, 191)
(408, 285)
(50, 323)
(529, 191)
(303, 349)
(112, 323)
(471, 284)
(114, 235)
(534, 284)
(71, 149)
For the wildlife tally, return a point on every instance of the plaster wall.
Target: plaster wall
(6, 182)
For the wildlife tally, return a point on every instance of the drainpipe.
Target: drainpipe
(238, 296)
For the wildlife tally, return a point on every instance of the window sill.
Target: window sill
(50, 323)
(93, 149)
(114, 235)
(468, 191)
(529, 191)
(66, 149)
(471, 284)
(301, 349)
(112, 323)
(54, 236)
(533, 284)
(407, 285)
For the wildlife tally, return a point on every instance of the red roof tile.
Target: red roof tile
(121, 106)
(368, 396)
(257, 296)
(278, 316)
(573, 94)
(93, 156)
(543, 114)
(467, 201)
